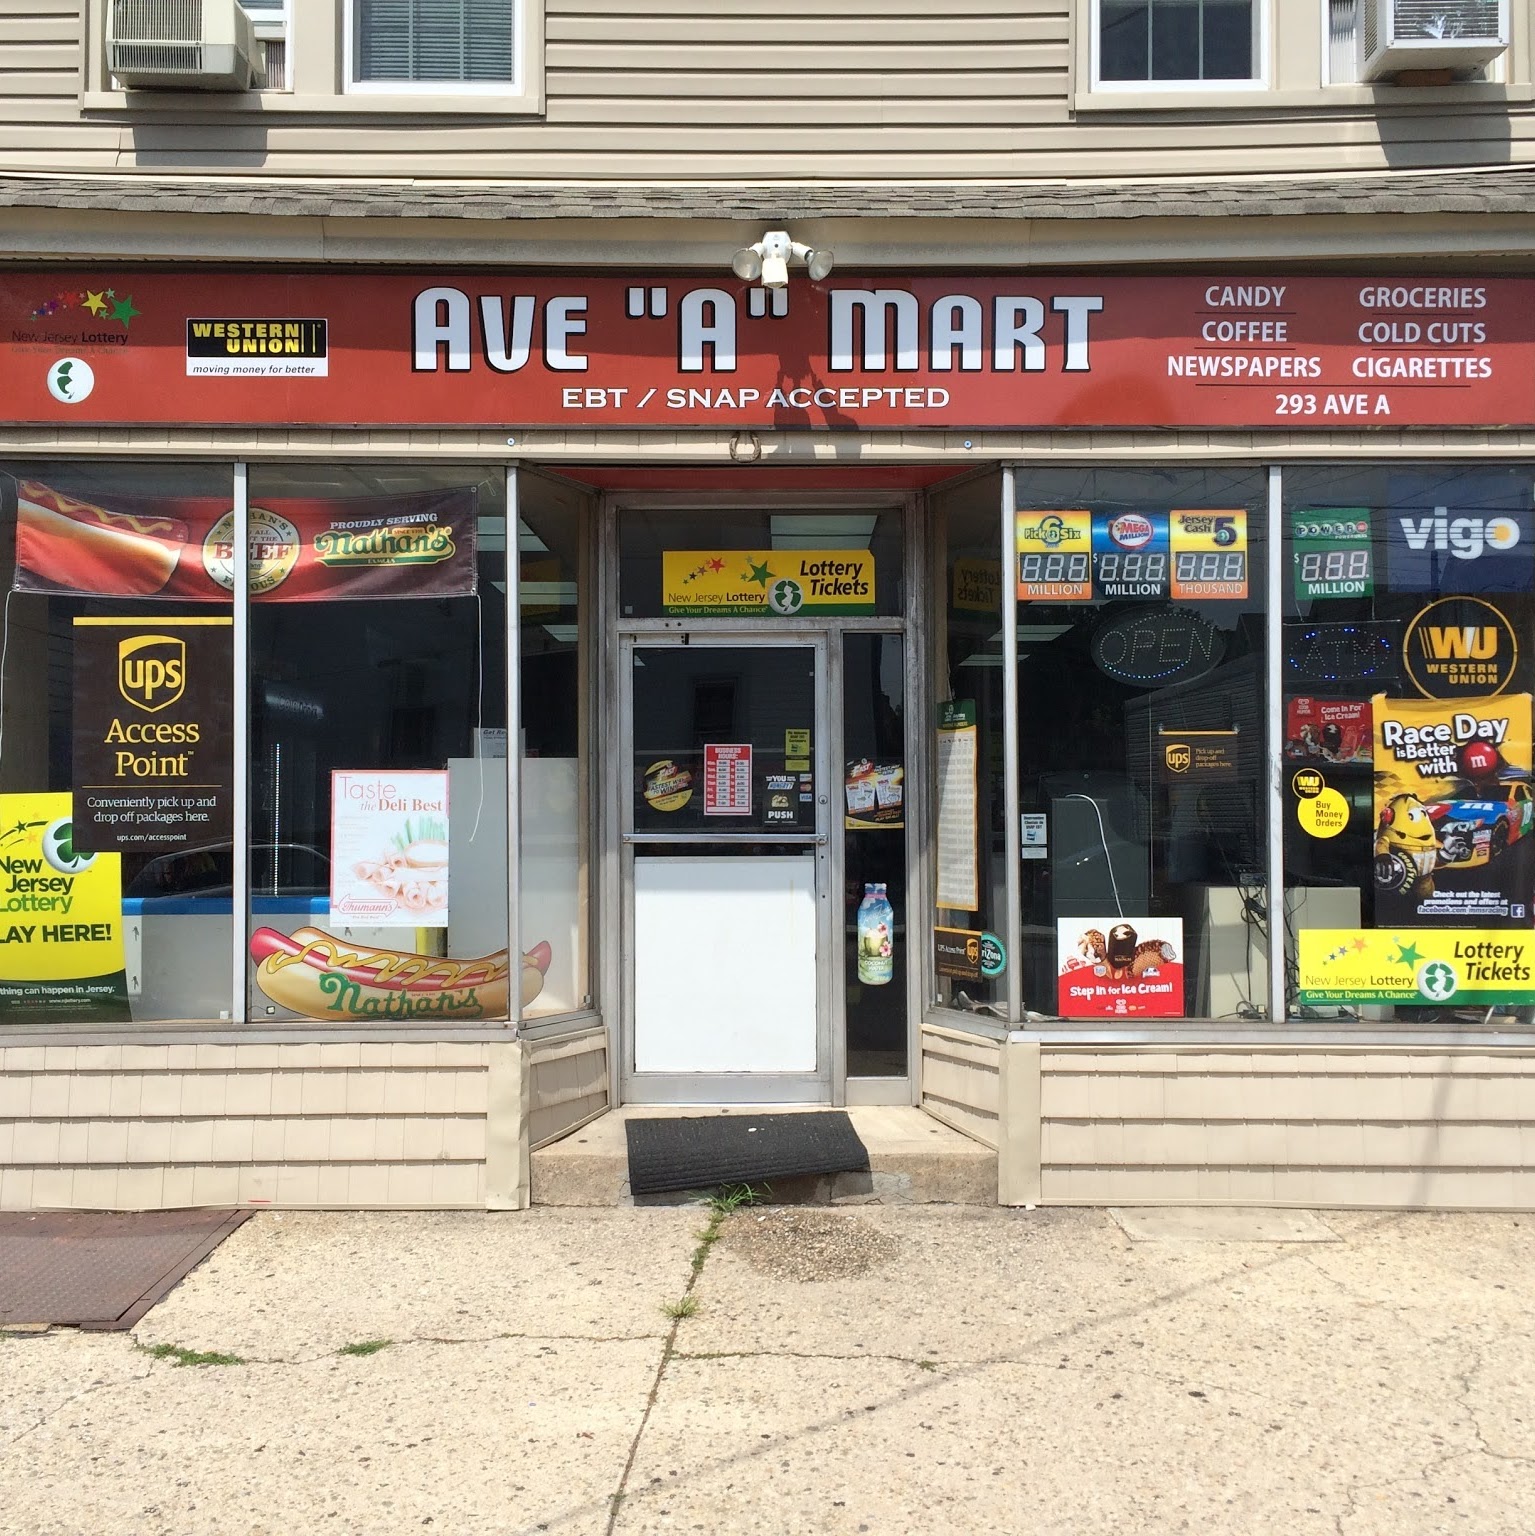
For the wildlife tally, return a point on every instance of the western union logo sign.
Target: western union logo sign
(271, 347)
(1462, 644)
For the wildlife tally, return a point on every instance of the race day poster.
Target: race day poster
(61, 919)
(1454, 811)
(1119, 967)
(389, 848)
(1421, 968)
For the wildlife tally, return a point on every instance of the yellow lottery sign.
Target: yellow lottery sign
(777, 584)
(61, 922)
(1419, 967)
(1055, 561)
(1209, 553)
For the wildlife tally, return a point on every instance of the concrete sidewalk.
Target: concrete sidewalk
(890, 1369)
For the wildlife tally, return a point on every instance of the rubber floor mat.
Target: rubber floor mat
(100, 1269)
(702, 1151)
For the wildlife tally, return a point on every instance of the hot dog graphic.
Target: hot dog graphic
(322, 977)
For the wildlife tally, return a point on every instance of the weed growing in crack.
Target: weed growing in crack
(365, 1347)
(684, 1306)
(731, 1197)
(179, 1356)
(727, 1198)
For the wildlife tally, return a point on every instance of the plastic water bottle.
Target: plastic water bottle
(876, 937)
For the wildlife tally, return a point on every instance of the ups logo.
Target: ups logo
(1179, 757)
(152, 670)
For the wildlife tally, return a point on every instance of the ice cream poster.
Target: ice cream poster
(1454, 810)
(1119, 967)
(389, 849)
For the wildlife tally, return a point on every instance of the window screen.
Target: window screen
(448, 40)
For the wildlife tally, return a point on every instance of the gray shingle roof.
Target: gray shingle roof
(1504, 190)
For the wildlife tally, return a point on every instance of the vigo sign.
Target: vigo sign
(1016, 350)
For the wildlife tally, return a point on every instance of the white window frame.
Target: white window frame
(1259, 81)
(319, 65)
(513, 87)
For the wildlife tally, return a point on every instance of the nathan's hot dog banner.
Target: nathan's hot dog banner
(314, 973)
(153, 727)
(1454, 811)
(61, 919)
(420, 545)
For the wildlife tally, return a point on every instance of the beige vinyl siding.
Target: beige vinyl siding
(569, 1083)
(961, 1078)
(738, 89)
(1405, 1127)
(142, 1127)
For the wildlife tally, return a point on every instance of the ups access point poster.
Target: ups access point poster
(154, 726)
(61, 919)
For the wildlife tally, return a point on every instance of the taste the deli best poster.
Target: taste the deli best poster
(389, 848)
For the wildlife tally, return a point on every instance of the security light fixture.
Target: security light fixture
(769, 260)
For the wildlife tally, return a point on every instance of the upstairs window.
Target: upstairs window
(271, 20)
(1177, 41)
(434, 45)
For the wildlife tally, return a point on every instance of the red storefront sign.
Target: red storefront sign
(1012, 351)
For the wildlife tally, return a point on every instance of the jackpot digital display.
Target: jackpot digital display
(1209, 551)
(1085, 557)
(1331, 553)
(1130, 555)
(1055, 557)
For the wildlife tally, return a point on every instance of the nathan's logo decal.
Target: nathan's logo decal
(275, 348)
(425, 543)
(1460, 646)
(152, 670)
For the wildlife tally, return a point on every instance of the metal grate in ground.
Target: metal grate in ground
(100, 1269)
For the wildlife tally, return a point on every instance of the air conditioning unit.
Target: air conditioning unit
(181, 45)
(1458, 35)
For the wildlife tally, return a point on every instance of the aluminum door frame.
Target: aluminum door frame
(825, 1084)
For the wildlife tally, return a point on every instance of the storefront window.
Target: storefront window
(739, 563)
(969, 844)
(556, 725)
(1408, 801)
(115, 759)
(378, 835)
(1140, 603)
(875, 910)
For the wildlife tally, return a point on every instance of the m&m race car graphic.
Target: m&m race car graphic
(1473, 832)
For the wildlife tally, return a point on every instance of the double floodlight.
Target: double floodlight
(769, 260)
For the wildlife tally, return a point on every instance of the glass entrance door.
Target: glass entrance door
(725, 821)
